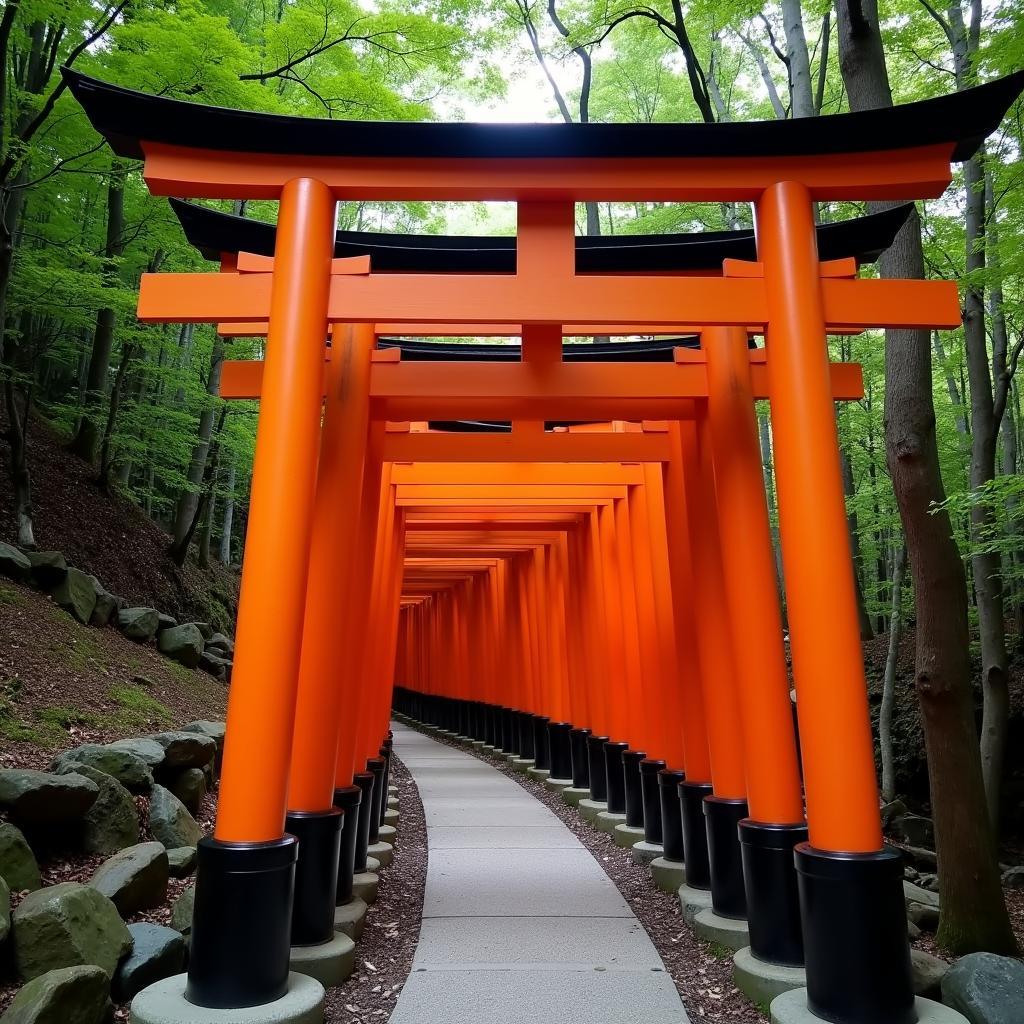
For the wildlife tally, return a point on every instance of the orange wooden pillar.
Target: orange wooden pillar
(774, 794)
(250, 858)
(327, 690)
(851, 888)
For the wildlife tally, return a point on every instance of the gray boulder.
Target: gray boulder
(215, 730)
(914, 830)
(181, 643)
(67, 925)
(166, 621)
(106, 605)
(206, 629)
(5, 911)
(128, 768)
(48, 568)
(927, 974)
(13, 564)
(923, 915)
(159, 953)
(214, 665)
(145, 749)
(138, 623)
(170, 822)
(181, 910)
(182, 861)
(221, 643)
(18, 866)
(69, 995)
(1013, 878)
(186, 749)
(134, 879)
(112, 823)
(190, 788)
(76, 593)
(42, 798)
(916, 894)
(986, 989)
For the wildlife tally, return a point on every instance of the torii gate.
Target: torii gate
(782, 168)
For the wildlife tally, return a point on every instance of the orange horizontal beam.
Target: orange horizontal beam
(545, 447)
(508, 477)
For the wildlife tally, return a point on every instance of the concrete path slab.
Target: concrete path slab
(520, 923)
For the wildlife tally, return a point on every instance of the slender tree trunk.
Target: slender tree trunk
(224, 554)
(767, 465)
(974, 913)
(801, 87)
(849, 489)
(178, 549)
(107, 441)
(889, 681)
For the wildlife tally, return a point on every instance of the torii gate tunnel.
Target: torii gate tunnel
(566, 554)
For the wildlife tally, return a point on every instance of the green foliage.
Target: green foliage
(137, 709)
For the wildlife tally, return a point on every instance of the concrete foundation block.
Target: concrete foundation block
(730, 932)
(372, 864)
(522, 764)
(383, 853)
(668, 875)
(391, 817)
(330, 962)
(164, 1003)
(590, 809)
(557, 785)
(791, 1008)
(365, 884)
(476, 744)
(693, 901)
(572, 795)
(388, 834)
(608, 821)
(393, 803)
(539, 774)
(350, 917)
(487, 748)
(628, 836)
(761, 981)
(644, 852)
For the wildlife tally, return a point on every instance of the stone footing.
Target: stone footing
(522, 764)
(372, 864)
(608, 821)
(539, 774)
(791, 1008)
(387, 834)
(557, 785)
(364, 885)
(330, 962)
(164, 1003)
(760, 981)
(391, 817)
(572, 795)
(477, 744)
(350, 917)
(383, 853)
(645, 852)
(628, 836)
(668, 875)
(590, 809)
(730, 932)
(693, 901)
(392, 803)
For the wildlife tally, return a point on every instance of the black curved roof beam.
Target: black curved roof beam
(657, 350)
(214, 233)
(126, 118)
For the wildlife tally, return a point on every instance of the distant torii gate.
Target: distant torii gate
(857, 972)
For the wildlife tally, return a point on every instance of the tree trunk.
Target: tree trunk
(866, 632)
(107, 442)
(974, 914)
(86, 440)
(224, 555)
(17, 438)
(889, 680)
(801, 87)
(765, 436)
(178, 549)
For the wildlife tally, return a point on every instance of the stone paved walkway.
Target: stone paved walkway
(520, 923)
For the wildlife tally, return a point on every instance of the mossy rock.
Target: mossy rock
(138, 623)
(48, 568)
(134, 879)
(68, 995)
(76, 593)
(119, 762)
(183, 644)
(170, 821)
(182, 909)
(43, 798)
(18, 866)
(13, 563)
(112, 823)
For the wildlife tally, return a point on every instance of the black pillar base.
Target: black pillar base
(316, 874)
(507, 744)
(347, 800)
(695, 833)
(773, 902)
(634, 792)
(375, 765)
(649, 769)
(855, 936)
(241, 926)
(595, 762)
(364, 780)
(528, 736)
(560, 746)
(615, 779)
(385, 752)
(580, 760)
(669, 782)
(541, 746)
(722, 817)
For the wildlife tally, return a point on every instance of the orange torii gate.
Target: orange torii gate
(240, 953)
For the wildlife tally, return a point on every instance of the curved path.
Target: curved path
(520, 923)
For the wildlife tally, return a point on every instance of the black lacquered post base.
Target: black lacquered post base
(508, 740)
(316, 874)
(615, 779)
(595, 761)
(855, 936)
(375, 765)
(541, 746)
(695, 833)
(722, 817)
(669, 782)
(241, 926)
(524, 727)
(634, 793)
(773, 901)
(649, 769)
(364, 780)
(385, 752)
(580, 758)
(347, 800)
(560, 746)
